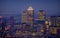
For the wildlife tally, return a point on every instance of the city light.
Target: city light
(30, 26)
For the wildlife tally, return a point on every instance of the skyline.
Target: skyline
(51, 7)
(29, 18)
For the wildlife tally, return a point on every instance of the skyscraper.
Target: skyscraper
(41, 21)
(58, 21)
(24, 17)
(41, 15)
(53, 20)
(30, 15)
(53, 28)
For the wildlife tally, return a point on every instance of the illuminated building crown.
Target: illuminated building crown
(30, 8)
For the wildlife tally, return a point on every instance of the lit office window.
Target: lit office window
(53, 30)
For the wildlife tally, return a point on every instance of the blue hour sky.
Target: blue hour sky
(52, 7)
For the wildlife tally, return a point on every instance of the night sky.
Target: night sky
(52, 7)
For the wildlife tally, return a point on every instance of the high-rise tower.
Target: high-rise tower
(30, 15)
(41, 15)
(24, 17)
(41, 22)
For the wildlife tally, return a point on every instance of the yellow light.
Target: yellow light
(53, 30)
(18, 33)
(42, 30)
(33, 34)
(46, 22)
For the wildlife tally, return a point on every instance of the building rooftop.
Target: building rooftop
(30, 8)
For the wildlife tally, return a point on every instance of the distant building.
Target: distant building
(2, 23)
(58, 21)
(11, 20)
(41, 15)
(53, 26)
(58, 26)
(24, 17)
(47, 26)
(53, 20)
(30, 15)
(2, 26)
(17, 19)
(40, 21)
(27, 16)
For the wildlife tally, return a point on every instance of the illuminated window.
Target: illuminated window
(24, 17)
(18, 33)
(53, 30)
(42, 30)
(46, 22)
(41, 17)
(58, 21)
(33, 34)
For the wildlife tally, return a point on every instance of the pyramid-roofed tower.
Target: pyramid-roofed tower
(30, 8)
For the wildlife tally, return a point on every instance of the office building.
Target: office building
(53, 20)
(58, 21)
(41, 15)
(58, 26)
(30, 15)
(24, 17)
(53, 26)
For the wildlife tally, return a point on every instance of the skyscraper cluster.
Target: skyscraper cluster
(30, 27)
